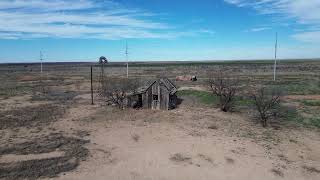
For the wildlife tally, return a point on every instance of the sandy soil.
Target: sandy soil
(190, 142)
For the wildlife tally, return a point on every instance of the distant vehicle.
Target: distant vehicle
(186, 78)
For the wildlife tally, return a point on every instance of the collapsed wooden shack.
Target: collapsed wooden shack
(158, 94)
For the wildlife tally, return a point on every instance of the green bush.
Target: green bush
(311, 102)
(315, 121)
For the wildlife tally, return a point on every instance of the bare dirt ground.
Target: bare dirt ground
(70, 139)
(188, 143)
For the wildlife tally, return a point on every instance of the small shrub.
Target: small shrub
(225, 88)
(267, 103)
(115, 90)
(315, 121)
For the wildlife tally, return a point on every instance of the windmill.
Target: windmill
(102, 61)
(275, 58)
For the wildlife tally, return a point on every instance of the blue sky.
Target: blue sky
(83, 30)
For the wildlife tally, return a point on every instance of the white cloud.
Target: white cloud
(78, 19)
(46, 5)
(302, 12)
(305, 11)
(311, 37)
(258, 29)
(207, 31)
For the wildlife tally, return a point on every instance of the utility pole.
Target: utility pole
(91, 87)
(127, 59)
(275, 58)
(41, 59)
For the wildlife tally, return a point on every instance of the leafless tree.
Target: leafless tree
(115, 90)
(225, 88)
(267, 103)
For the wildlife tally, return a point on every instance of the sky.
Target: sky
(158, 30)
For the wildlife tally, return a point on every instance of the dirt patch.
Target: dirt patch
(229, 160)
(277, 172)
(206, 158)
(302, 97)
(72, 149)
(51, 95)
(33, 116)
(284, 159)
(27, 78)
(311, 169)
(213, 126)
(135, 137)
(178, 157)
(82, 133)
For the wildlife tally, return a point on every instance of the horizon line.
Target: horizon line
(164, 61)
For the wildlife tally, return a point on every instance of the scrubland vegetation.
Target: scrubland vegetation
(234, 114)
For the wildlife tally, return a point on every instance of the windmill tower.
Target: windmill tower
(102, 61)
(275, 58)
(127, 59)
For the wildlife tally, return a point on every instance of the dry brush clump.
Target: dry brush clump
(267, 103)
(30, 116)
(115, 90)
(178, 157)
(225, 88)
(73, 153)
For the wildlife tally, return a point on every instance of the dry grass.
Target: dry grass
(35, 116)
(73, 149)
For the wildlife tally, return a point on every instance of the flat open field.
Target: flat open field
(49, 129)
